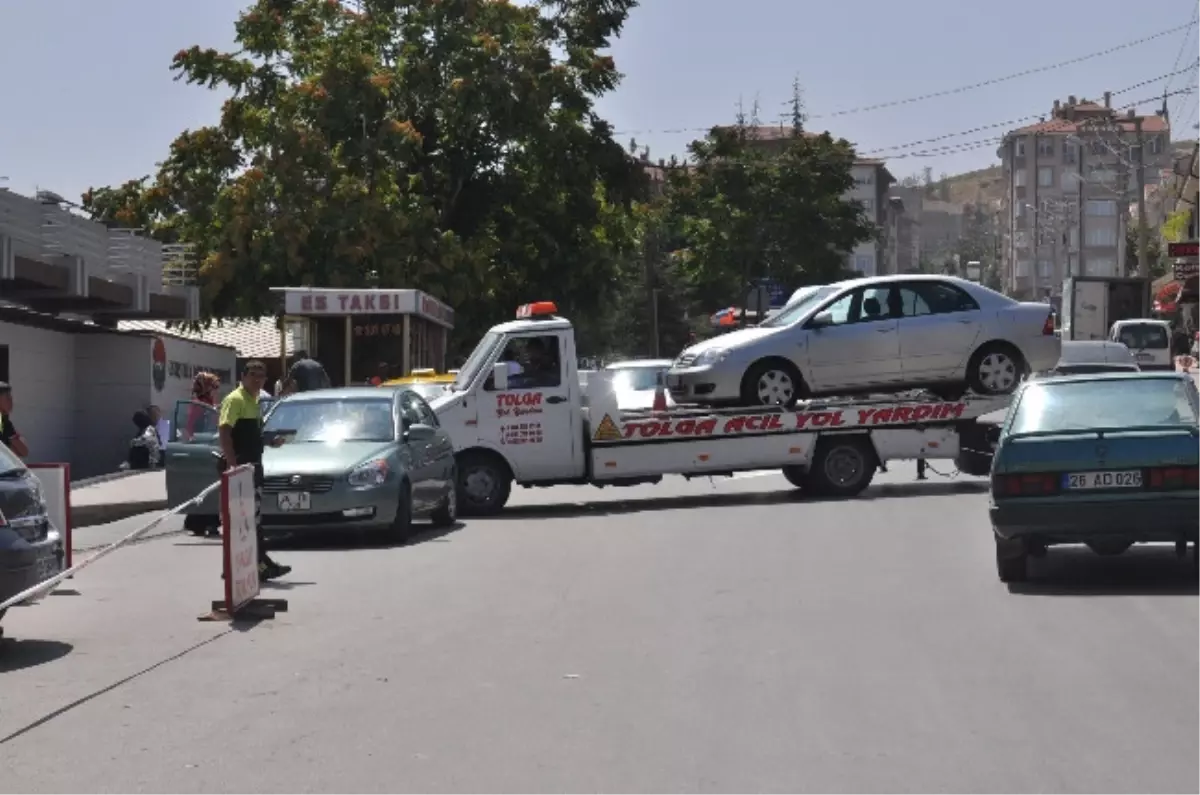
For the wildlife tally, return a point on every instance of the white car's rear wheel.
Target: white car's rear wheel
(996, 369)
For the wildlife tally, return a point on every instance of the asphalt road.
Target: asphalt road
(689, 636)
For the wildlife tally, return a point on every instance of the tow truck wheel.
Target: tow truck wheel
(797, 476)
(484, 483)
(842, 466)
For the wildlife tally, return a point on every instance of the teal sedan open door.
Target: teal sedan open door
(190, 462)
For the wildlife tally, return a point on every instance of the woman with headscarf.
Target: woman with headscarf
(205, 387)
(144, 450)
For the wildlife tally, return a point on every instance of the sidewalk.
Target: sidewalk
(118, 498)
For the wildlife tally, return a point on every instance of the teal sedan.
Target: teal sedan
(1106, 460)
(360, 459)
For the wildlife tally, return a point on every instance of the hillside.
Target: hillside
(987, 184)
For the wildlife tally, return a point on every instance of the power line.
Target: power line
(1186, 38)
(1006, 78)
(1018, 120)
(1059, 125)
(981, 128)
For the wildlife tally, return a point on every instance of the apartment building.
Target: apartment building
(1075, 170)
(872, 183)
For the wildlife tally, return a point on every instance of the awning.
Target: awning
(1167, 297)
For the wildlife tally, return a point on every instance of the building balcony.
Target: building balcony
(54, 261)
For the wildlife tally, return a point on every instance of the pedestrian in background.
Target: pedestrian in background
(145, 452)
(241, 436)
(205, 387)
(9, 435)
(308, 373)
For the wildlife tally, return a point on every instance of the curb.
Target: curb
(92, 481)
(105, 512)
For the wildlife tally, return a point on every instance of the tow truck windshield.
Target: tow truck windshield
(475, 362)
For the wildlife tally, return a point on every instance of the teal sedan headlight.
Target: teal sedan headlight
(372, 473)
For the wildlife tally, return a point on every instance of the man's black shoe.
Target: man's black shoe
(270, 570)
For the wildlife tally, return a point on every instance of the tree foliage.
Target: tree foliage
(447, 145)
(453, 146)
(747, 211)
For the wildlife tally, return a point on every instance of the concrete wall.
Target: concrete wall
(111, 375)
(182, 359)
(43, 380)
(75, 394)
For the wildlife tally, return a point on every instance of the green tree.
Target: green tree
(978, 241)
(745, 211)
(448, 145)
(1156, 254)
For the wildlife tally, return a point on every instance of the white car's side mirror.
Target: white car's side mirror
(821, 320)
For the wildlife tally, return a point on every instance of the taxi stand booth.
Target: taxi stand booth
(352, 332)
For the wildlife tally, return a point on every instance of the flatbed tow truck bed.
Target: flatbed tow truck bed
(833, 446)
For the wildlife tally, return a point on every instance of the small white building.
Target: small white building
(76, 385)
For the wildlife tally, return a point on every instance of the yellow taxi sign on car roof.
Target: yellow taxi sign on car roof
(429, 377)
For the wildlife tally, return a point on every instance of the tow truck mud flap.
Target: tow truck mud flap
(616, 461)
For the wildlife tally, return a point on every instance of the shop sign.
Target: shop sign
(350, 302)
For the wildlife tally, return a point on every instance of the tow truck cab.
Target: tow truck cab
(529, 427)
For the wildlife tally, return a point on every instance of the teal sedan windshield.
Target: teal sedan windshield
(1103, 403)
(333, 420)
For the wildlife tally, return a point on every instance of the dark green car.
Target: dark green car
(362, 459)
(1107, 460)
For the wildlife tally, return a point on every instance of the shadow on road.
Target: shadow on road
(1142, 571)
(333, 540)
(887, 491)
(27, 653)
(97, 693)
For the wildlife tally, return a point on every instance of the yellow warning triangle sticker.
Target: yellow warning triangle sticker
(607, 430)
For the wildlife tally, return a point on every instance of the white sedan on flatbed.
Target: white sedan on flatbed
(881, 334)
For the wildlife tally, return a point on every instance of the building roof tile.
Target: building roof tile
(251, 338)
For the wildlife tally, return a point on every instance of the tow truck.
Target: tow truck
(543, 427)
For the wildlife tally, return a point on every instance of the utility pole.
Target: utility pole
(1080, 243)
(650, 261)
(1143, 236)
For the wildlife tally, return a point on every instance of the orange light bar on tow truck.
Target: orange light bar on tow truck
(538, 309)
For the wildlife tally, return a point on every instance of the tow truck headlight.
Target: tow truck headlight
(372, 473)
(711, 356)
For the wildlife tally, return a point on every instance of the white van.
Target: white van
(1081, 357)
(1148, 339)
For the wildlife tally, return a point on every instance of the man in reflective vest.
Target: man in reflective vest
(240, 428)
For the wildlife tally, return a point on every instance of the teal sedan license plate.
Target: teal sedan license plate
(1086, 481)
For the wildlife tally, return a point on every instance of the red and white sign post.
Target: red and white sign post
(239, 542)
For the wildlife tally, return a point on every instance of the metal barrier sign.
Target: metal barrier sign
(56, 491)
(239, 539)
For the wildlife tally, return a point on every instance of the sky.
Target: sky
(87, 97)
